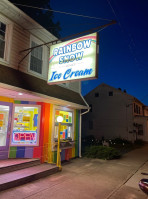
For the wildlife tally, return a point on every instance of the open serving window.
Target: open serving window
(26, 122)
(66, 131)
(4, 115)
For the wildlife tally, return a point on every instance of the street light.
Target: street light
(59, 120)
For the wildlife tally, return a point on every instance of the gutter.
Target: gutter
(80, 126)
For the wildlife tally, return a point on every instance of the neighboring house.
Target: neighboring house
(28, 105)
(114, 114)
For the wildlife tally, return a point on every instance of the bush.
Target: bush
(120, 141)
(102, 152)
(89, 140)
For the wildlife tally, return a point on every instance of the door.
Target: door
(5, 128)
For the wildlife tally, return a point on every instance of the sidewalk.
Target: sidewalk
(138, 159)
(90, 179)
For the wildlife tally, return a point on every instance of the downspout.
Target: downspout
(80, 126)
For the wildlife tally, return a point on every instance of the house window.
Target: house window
(96, 94)
(140, 129)
(2, 39)
(110, 93)
(134, 108)
(137, 109)
(36, 60)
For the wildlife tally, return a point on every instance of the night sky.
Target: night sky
(123, 47)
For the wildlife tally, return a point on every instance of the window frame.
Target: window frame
(38, 125)
(110, 93)
(53, 122)
(140, 130)
(8, 40)
(97, 94)
(44, 57)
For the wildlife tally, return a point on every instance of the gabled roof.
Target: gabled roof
(115, 89)
(28, 82)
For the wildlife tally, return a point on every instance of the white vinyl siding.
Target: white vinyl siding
(20, 41)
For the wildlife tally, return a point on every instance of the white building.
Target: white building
(114, 114)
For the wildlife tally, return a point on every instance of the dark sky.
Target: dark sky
(123, 57)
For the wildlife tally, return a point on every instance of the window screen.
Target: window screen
(36, 58)
(2, 39)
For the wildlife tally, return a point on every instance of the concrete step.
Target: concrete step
(23, 176)
(10, 165)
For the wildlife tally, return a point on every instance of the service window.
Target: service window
(4, 114)
(66, 131)
(25, 125)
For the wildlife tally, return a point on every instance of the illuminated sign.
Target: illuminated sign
(25, 137)
(74, 60)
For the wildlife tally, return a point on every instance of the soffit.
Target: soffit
(26, 22)
(38, 88)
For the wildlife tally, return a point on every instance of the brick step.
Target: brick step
(23, 176)
(10, 165)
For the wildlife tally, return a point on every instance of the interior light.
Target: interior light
(20, 93)
(59, 119)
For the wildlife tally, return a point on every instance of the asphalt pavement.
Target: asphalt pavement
(86, 178)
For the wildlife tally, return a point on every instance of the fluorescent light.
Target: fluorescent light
(20, 93)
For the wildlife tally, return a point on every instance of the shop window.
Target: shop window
(66, 131)
(4, 114)
(36, 60)
(25, 125)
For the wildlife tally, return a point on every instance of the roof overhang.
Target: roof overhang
(14, 92)
(13, 82)
(23, 20)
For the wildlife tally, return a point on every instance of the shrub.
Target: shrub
(102, 152)
(121, 141)
(89, 140)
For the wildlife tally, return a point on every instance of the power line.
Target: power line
(144, 97)
(131, 43)
(62, 12)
